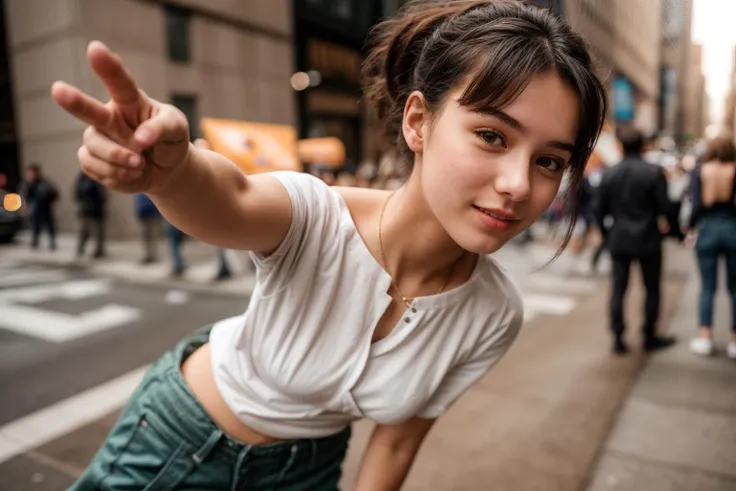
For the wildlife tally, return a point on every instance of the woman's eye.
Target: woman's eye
(493, 138)
(551, 163)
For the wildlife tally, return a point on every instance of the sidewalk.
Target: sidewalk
(123, 262)
(677, 431)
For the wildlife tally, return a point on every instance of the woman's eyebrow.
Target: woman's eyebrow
(518, 126)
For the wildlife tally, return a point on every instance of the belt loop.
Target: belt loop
(238, 464)
(208, 446)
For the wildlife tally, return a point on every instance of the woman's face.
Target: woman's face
(489, 175)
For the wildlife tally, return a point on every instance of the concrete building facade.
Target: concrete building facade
(624, 38)
(228, 59)
(676, 52)
(729, 103)
(696, 104)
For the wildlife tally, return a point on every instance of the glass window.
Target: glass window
(177, 33)
(188, 105)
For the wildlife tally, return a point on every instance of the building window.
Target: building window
(188, 105)
(177, 33)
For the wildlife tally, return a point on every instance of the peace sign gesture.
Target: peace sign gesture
(134, 143)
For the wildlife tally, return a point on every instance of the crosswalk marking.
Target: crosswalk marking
(13, 278)
(17, 315)
(70, 290)
(59, 327)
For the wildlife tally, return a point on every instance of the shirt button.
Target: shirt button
(413, 310)
(407, 320)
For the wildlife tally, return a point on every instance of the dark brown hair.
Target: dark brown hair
(720, 149)
(496, 47)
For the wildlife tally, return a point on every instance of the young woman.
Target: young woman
(368, 303)
(714, 218)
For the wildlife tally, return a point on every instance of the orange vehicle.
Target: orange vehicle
(260, 147)
(254, 147)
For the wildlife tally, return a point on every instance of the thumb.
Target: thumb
(168, 126)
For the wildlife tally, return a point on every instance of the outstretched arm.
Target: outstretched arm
(135, 144)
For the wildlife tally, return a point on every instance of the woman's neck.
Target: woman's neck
(417, 251)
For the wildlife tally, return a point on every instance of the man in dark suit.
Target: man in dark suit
(634, 195)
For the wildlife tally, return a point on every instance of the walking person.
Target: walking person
(91, 199)
(40, 195)
(150, 220)
(375, 304)
(223, 267)
(175, 239)
(713, 222)
(634, 194)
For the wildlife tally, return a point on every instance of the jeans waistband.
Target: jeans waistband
(179, 410)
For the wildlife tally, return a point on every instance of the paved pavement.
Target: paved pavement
(538, 421)
(677, 431)
(123, 262)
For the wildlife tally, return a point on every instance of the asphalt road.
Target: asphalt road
(37, 371)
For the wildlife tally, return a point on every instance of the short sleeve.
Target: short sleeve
(314, 215)
(486, 354)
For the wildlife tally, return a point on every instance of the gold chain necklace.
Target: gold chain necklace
(408, 301)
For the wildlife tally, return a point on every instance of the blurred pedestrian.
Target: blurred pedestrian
(40, 195)
(150, 220)
(386, 305)
(175, 239)
(713, 221)
(634, 195)
(91, 199)
(224, 271)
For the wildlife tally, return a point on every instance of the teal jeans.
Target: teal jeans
(165, 441)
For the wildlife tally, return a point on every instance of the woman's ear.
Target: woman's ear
(415, 118)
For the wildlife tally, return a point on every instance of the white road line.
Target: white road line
(70, 290)
(68, 415)
(57, 326)
(61, 327)
(14, 278)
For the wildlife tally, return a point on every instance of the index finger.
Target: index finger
(80, 105)
(109, 68)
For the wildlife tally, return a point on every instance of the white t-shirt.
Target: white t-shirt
(300, 362)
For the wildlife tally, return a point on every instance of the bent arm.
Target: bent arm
(696, 198)
(390, 454)
(666, 207)
(600, 204)
(211, 199)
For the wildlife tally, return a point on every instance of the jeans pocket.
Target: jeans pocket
(149, 460)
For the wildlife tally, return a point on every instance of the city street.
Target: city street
(73, 344)
(610, 124)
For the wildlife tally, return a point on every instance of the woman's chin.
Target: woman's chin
(484, 244)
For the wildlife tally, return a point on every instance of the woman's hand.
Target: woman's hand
(691, 238)
(134, 143)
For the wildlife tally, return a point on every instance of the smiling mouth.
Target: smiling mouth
(497, 215)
